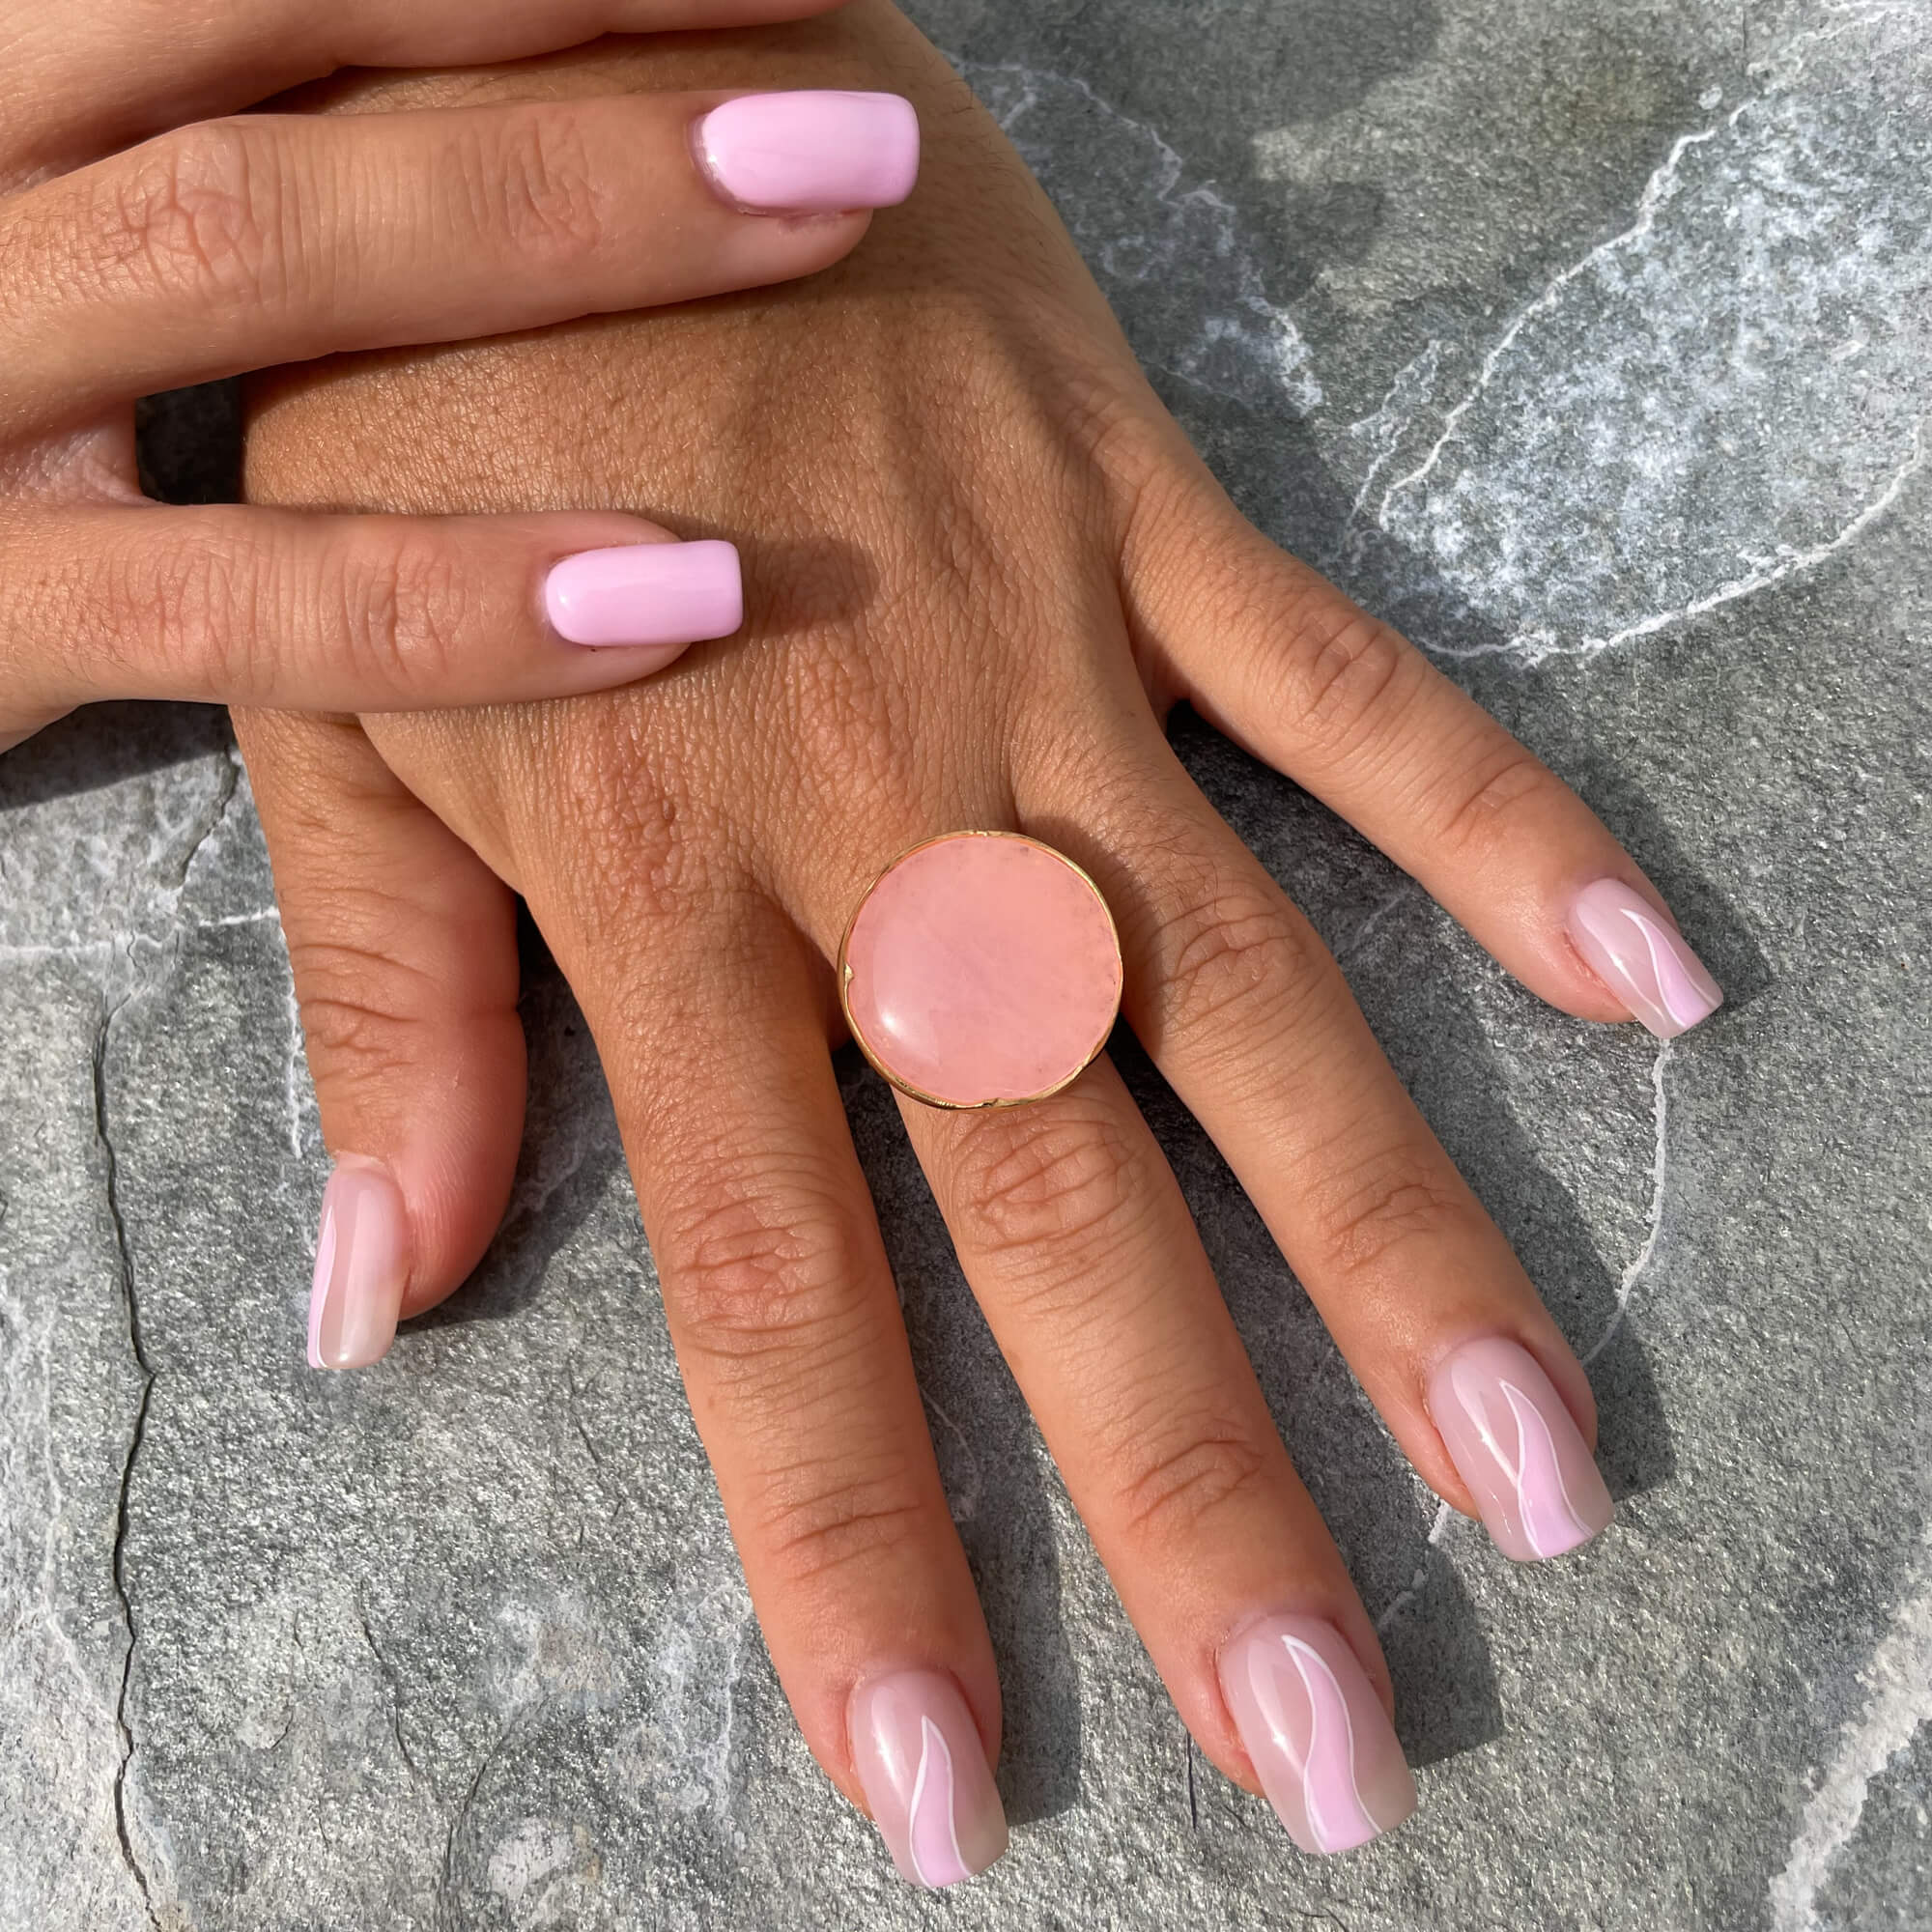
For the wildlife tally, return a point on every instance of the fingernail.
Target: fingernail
(361, 1266)
(1634, 949)
(1317, 1733)
(1513, 1440)
(925, 1777)
(810, 152)
(669, 595)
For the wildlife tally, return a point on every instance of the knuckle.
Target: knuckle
(761, 1274)
(1348, 673)
(1183, 1477)
(537, 187)
(179, 617)
(362, 1012)
(395, 605)
(197, 214)
(1048, 1188)
(1229, 955)
(817, 1522)
(1497, 793)
(1387, 1202)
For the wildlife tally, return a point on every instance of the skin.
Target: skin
(983, 565)
(145, 247)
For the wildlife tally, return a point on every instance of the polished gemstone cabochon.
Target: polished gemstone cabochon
(982, 969)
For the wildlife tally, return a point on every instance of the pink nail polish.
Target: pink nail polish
(810, 152)
(926, 1777)
(362, 1267)
(1317, 1733)
(668, 595)
(1643, 960)
(1513, 1440)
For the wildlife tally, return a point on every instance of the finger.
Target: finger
(1272, 653)
(1072, 1231)
(1249, 1019)
(240, 245)
(786, 1322)
(277, 608)
(83, 79)
(404, 951)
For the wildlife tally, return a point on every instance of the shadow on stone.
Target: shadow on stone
(102, 744)
(570, 1149)
(1446, 1700)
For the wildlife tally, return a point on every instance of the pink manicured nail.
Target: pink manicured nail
(810, 152)
(668, 595)
(926, 1777)
(1322, 1743)
(1635, 951)
(1514, 1444)
(362, 1267)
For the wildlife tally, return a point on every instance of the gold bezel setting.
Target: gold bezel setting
(845, 971)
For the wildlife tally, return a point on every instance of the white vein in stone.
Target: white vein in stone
(1899, 1681)
(1661, 186)
(1659, 1160)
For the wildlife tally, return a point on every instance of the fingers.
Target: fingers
(273, 607)
(1251, 1022)
(1072, 1231)
(83, 79)
(238, 245)
(404, 951)
(786, 1322)
(1276, 657)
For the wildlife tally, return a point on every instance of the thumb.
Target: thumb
(402, 944)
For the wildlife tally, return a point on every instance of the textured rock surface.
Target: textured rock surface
(1592, 341)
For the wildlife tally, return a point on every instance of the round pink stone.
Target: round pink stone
(982, 968)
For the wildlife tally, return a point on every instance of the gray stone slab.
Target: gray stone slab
(1592, 342)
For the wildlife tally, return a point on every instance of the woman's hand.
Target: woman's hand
(983, 564)
(232, 244)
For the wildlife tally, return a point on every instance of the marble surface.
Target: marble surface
(1592, 342)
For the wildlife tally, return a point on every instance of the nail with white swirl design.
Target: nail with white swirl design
(1516, 1444)
(1642, 959)
(1316, 1733)
(925, 1776)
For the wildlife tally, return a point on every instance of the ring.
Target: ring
(981, 969)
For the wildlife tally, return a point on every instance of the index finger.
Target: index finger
(83, 79)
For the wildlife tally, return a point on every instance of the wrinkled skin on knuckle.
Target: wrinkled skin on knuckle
(1182, 1470)
(531, 187)
(1384, 1202)
(1056, 1187)
(399, 606)
(823, 1522)
(1236, 967)
(757, 1270)
(199, 216)
(1495, 794)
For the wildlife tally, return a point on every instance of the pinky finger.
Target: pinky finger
(288, 611)
(403, 949)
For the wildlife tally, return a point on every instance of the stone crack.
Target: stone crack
(139, 1349)
(1640, 1260)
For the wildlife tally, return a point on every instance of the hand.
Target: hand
(232, 244)
(985, 566)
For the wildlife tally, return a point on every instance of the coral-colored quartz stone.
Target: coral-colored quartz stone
(982, 968)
